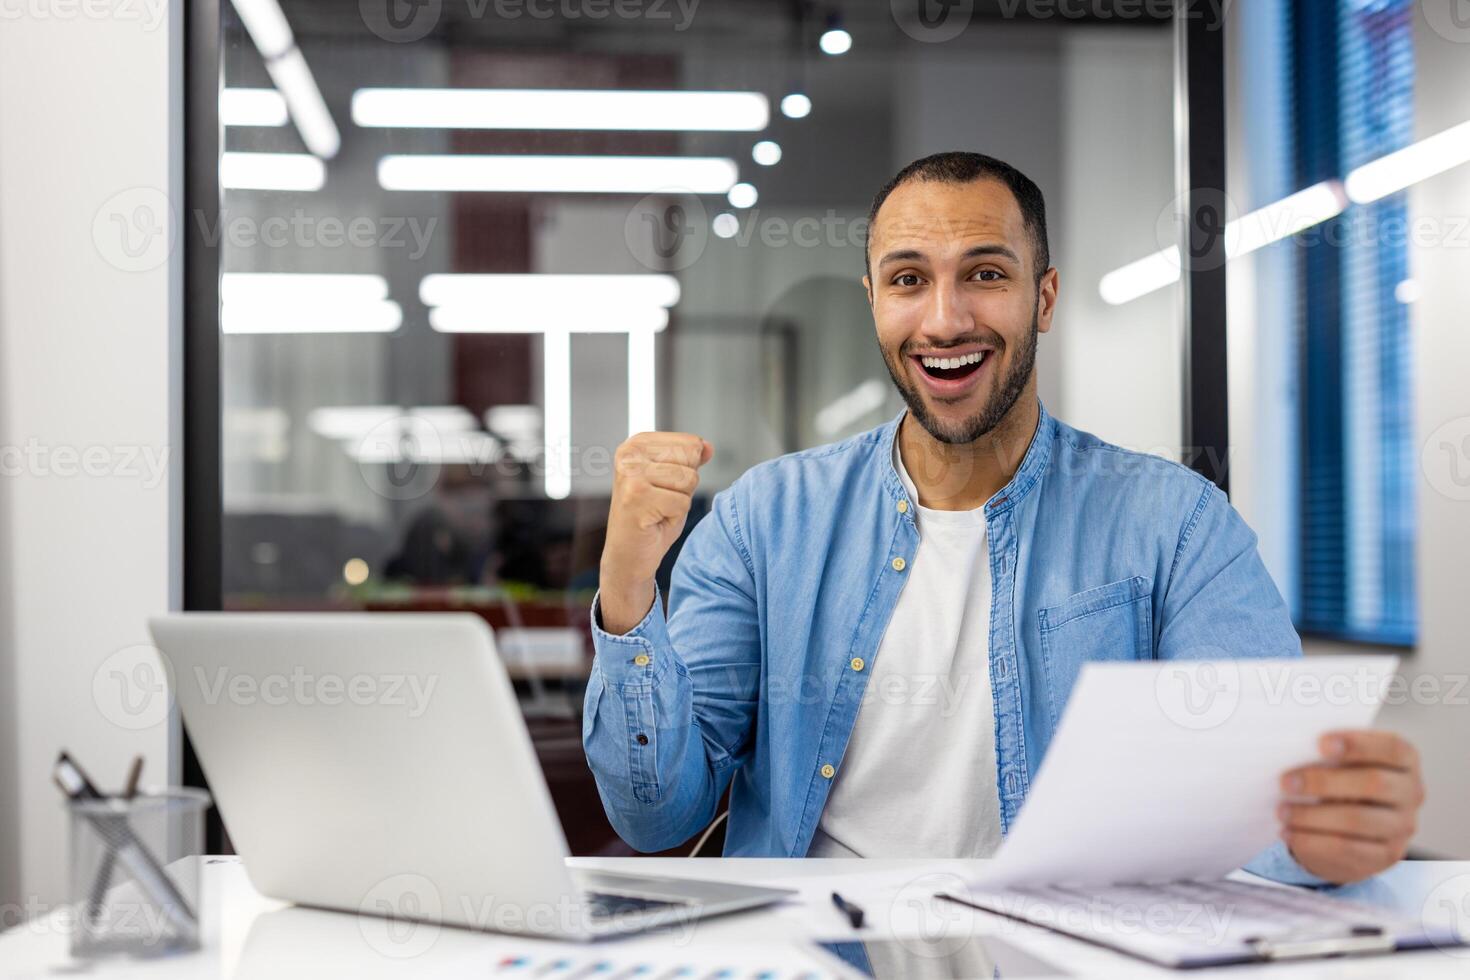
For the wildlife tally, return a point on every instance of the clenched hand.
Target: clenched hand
(655, 476)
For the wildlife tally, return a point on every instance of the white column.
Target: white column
(642, 382)
(556, 395)
(89, 337)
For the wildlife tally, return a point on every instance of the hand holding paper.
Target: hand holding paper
(1352, 815)
(1177, 766)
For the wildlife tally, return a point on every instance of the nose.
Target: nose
(947, 317)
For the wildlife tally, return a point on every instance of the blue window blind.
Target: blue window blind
(1352, 81)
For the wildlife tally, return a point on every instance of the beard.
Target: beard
(1002, 399)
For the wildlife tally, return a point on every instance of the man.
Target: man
(974, 546)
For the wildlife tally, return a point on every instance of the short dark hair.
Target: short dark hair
(960, 167)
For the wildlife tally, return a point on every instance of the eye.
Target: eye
(906, 279)
(989, 275)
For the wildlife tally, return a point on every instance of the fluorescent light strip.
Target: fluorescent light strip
(1401, 168)
(537, 318)
(266, 25)
(1140, 277)
(294, 80)
(851, 407)
(271, 288)
(1243, 235)
(252, 107)
(271, 171)
(303, 318)
(356, 421)
(271, 33)
(1372, 181)
(528, 290)
(642, 381)
(557, 174)
(541, 109)
(1284, 218)
(556, 394)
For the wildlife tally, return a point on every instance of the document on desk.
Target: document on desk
(1161, 780)
(1170, 770)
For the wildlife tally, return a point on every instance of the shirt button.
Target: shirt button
(642, 739)
(828, 772)
(857, 663)
(903, 506)
(898, 564)
(641, 660)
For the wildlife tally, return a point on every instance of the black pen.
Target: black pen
(113, 828)
(103, 881)
(854, 913)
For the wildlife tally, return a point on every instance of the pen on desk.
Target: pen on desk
(103, 881)
(119, 837)
(854, 913)
(135, 772)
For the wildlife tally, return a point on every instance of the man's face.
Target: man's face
(956, 303)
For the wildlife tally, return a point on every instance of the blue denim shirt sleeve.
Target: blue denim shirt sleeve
(1221, 602)
(664, 735)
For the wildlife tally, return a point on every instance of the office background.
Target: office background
(405, 467)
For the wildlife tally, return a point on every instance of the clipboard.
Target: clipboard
(1342, 929)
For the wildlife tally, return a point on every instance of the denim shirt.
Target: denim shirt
(781, 594)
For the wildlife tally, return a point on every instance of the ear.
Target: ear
(1046, 301)
(868, 288)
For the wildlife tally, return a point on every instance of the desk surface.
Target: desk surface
(247, 935)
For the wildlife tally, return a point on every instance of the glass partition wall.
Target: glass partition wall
(467, 248)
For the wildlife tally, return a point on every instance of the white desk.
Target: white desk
(249, 936)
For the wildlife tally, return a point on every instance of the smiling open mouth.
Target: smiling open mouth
(953, 368)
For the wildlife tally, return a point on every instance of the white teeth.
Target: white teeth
(950, 363)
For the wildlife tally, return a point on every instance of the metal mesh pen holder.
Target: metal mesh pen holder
(134, 877)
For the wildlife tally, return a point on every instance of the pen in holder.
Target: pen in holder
(135, 891)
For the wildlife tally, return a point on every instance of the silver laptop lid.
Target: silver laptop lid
(373, 762)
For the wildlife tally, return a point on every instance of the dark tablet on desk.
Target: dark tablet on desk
(941, 957)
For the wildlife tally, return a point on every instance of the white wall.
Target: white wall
(1120, 374)
(88, 348)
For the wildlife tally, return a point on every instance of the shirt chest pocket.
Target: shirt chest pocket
(1110, 622)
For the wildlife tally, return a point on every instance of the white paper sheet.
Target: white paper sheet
(1170, 770)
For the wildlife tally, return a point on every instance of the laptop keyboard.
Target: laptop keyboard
(604, 905)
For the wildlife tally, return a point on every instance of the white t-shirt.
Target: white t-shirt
(918, 778)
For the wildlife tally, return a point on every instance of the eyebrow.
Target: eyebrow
(909, 254)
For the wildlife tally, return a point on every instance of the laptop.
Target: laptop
(379, 763)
